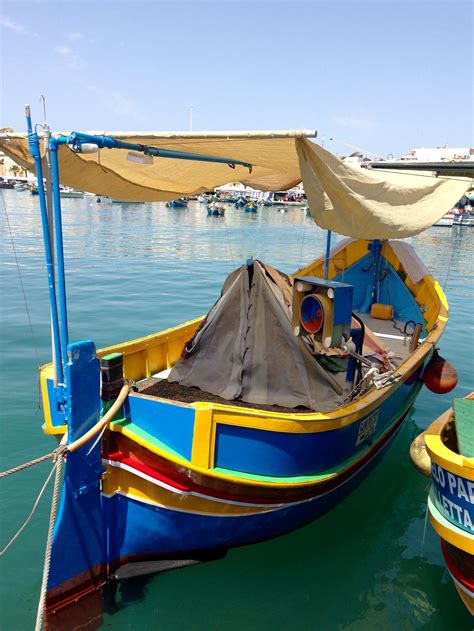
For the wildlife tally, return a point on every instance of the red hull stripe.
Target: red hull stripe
(467, 583)
(171, 481)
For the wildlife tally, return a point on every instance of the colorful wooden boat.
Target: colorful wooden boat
(251, 207)
(449, 443)
(178, 203)
(179, 475)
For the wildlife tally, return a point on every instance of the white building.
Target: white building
(439, 154)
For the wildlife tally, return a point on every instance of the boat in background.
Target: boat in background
(446, 221)
(4, 183)
(178, 203)
(115, 200)
(251, 207)
(70, 193)
(446, 452)
(217, 209)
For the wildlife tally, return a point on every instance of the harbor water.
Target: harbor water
(373, 562)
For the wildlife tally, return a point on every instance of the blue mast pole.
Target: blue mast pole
(58, 237)
(328, 252)
(33, 143)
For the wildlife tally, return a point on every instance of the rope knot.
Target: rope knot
(59, 452)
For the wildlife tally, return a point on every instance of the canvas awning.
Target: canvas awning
(347, 199)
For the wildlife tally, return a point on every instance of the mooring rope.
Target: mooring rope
(49, 541)
(20, 467)
(30, 516)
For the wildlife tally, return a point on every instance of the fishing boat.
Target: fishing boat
(216, 209)
(20, 187)
(251, 207)
(445, 451)
(446, 220)
(177, 203)
(115, 200)
(6, 183)
(261, 416)
(70, 193)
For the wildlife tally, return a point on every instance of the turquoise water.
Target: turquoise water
(133, 270)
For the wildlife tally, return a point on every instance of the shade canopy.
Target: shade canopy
(350, 200)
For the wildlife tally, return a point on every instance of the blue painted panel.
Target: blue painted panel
(392, 290)
(78, 540)
(171, 424)
(282, 454)
(141, 529)
(56, 418)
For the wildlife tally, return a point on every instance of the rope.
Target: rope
(4, 474)
(30, 516)
(49, 542)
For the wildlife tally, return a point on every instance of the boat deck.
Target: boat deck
(388, 332)
(162, 388)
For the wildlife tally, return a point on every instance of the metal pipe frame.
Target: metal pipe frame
(36, 155)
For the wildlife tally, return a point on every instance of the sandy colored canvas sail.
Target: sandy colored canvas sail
(352, 201)
(369, 204)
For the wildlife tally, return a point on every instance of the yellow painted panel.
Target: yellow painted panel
(203, 439)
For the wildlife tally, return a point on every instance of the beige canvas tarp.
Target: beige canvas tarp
(246, 349)
(352, 201)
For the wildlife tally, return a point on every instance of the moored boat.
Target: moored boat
(258, 418)
(70, 193)
(446, 220)
(446, 450)
(178, 203)
(217, 209)
(251, 207)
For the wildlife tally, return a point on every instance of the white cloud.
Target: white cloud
(71, 58)
(11, 25)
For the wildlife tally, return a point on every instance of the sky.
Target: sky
(381, 76)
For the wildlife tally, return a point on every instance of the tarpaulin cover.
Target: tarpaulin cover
(347, 199)
(246, 349)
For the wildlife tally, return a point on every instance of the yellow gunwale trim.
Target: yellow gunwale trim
(441, 455)
(319, 478)
(448, 531)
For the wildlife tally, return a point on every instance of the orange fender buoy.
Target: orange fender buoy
(440, 376)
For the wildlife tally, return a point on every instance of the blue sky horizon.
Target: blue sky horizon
(381, 76)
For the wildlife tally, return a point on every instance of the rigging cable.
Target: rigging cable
(21, 283)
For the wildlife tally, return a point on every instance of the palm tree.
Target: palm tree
(15, 169)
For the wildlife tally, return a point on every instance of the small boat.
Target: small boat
(20, 186)
(116, 200)
(446, 221)
(251, 207)
(446, 452)
(178, 203)
(6, 183)
(257, 418)
(70, 193)
(240, 202)
(34, 190)
(217, 209)
(463, 218)
(202, 199)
